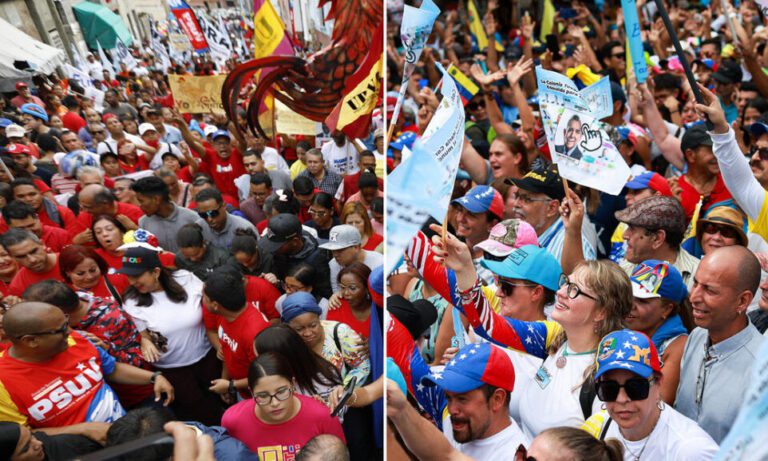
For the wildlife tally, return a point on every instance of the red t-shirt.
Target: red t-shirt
(344, 315)
(690, 196)
(118, 281)
(373, 241)
(73, 122)
(25, 277)
(68, 218)
(55, 238)
(236, 339)
(280, 441)
(223, 171)
(85, 219)
(141, 165)
(262, 295)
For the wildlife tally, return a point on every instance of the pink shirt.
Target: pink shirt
(280, 441)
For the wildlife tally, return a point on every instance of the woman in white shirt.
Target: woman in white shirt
(166, 307)
(629, 382)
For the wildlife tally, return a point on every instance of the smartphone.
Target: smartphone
(348, 390)
(161, 438)
(553, 46)
(567, 13)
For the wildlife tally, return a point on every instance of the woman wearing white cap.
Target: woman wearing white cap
(590, 303)
(629, 382)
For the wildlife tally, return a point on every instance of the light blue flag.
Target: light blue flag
(598, 98)
(632, 28)
(746, 441)
(414, 32)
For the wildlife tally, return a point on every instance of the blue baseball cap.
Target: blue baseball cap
(472, 366)
(219, 133)
(650, 180)
(627, 350)
(4, 122)
(531, 263)
(34, 110)
(480, 199)
(758, 129)
(404, 140)
(658, 279)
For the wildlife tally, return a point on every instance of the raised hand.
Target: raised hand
(515, 72)
(712, 109)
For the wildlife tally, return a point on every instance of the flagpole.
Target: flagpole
(396, 112)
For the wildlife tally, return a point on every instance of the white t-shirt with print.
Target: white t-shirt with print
(180, 323)
(498, 446)
(675, 438)
(554, 400)
(341, 160)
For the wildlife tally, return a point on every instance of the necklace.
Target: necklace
(562, 360)
(636, 457)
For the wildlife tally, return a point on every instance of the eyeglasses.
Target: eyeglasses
(288, 287)
(475, 105)
(725, 231)
(620, 56)
(265, 398)
(521, 454)
(97, 132)
(63, 330)
(636, 389)
(527, 199)
(317, 213)
(572, 289)
(507, 286)
(761, 151)
(208, 214)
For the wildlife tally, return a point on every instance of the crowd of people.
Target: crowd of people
(547, 320)
(161, 270)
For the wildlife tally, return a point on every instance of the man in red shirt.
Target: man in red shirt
(25, 96)
(96, 200)
(49, 212)
(237, 323)
(35, 263)
(703, 177)
(349, 186)
(72, 119)
(19, 215)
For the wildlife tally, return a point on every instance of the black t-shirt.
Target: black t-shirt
(65, 447)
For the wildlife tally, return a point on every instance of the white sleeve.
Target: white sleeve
(737, 175)
(335, 269)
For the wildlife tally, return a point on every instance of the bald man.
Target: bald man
(96, 200)
(724, 342)
(52, 379)
(324, 447)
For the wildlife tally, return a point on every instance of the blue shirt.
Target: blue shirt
(713, 378)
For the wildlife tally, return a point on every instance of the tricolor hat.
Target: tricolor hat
(627, 350)
(658, 279)
(650, 180)
(475, 365)
(480, 199)
(508, 235)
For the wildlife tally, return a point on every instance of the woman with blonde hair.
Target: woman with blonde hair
(591, 302)
(355, 214)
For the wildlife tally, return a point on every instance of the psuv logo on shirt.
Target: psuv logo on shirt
(231, 343)
(224, 168)
(61, 394)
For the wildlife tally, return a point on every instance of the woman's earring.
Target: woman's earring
(661, 405)
(603, 406)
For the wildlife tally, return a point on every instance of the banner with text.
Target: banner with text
(197, 95)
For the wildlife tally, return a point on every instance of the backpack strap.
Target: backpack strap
(587, 397)
(118, 299)
(604, 430)
(336, 336)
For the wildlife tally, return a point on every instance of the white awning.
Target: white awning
(18, 46)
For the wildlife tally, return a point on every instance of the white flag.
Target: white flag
(123, 55)
(105, 62)
(218, 42)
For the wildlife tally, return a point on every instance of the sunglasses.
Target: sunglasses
(208, 214)
(475, 105)
(636, 389)
(507, 286)
(620, 56)
(63, 330)
(521, 454)
(725, 231)
(761, 151)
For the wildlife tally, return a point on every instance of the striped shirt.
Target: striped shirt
(552, 240)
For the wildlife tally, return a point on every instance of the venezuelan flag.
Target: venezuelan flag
(467, 88)
(477, 30)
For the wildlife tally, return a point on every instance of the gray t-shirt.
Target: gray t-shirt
(165, 229)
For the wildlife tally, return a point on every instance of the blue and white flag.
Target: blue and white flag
(632, 29)
(157, 46)
(414, 32)
(123, 55)
(218, 41)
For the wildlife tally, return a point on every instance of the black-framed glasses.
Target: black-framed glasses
(572, 289)
(635, 388)
(620, 56)
(521, 454)
(508, 286)
(209, 214)
(60, 331)
(265, 398)
(726, 231)
(761, 151)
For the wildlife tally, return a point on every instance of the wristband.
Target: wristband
(154, 376)
(232, 389)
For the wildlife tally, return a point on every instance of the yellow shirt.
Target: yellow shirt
(297, 167)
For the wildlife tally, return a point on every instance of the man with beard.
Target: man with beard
(571, 137)
(537, 202)
(476, 214)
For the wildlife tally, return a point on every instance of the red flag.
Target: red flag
(188, 22)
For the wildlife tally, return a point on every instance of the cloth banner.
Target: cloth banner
(197, 94)
(77, 75)
(289, 122)
(123, 55)
(632, 29)
(218, 42)
(189, 24)
(577, 142)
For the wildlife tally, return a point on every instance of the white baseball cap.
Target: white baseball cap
(209, 130)
(144, 127)
(15, 131)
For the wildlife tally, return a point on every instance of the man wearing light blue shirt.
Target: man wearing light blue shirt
(720, 353)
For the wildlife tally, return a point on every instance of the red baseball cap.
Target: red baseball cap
(650, 180)
(17, 149)
(21, 85)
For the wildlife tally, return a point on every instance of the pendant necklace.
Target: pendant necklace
(562, 360)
